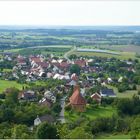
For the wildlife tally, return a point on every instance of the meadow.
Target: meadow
(92, 113)
(4, 84)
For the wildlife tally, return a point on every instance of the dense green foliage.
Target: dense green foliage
(46, 131)
(75, 69)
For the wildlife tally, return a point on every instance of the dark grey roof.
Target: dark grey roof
(108, 92)
(48, 118)
(29, 94)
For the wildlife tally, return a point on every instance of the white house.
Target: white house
(45, 118)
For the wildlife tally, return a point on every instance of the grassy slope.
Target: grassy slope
(7, 84)
(92, 113)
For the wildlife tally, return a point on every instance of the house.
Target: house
(42, 74)
(109, 80)
(46, 118)
(21, 61)
(90, 78)
(34, 60)
(81, 63)
(49, 75)
(27, 96)
(77, 101)
(107, 93)
(64, 65)
(74, 77)
(96, 97)
(129, 62)
(45, 102)
(50, 96)
(43, 65)
(72, 83)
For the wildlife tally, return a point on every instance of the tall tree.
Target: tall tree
(46, 131)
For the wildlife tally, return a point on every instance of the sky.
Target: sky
(101, 12)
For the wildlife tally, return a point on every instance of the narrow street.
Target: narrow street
(62, 115)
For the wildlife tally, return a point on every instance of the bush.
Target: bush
(139, 92)
(68, 108)
(134, 87)
(2, 96)
(123, 87)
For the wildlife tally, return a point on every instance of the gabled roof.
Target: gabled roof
(74, 77)
(45, 102)
(81, 63)
(64, 65)
(35, 59)
(47, 117)
(96, 96)
(77, 98)
(27, 94)
(43, 64)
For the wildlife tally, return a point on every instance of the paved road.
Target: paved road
(62, 116)
(69, 52)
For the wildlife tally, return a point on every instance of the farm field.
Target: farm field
(57, 50)
(120, 51)
(122, 55)
(92, 113)
(118, 48)
(122, 48)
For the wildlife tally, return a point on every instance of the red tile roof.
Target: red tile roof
(81, 63)
(21, 60)
(36, 59)
(77, 98)
(64, 65)
(43, 64)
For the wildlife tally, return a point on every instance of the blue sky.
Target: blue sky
(101, 12)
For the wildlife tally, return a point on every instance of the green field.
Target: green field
(122, 55)
(7, 70)
(8, 84)
(92, 113)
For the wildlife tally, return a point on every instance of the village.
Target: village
(66, 91)
(83, 72)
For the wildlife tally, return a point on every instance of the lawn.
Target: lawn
(92, 113)
(7, 70)
(113, 136)
(4, 84)
(126, 94)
